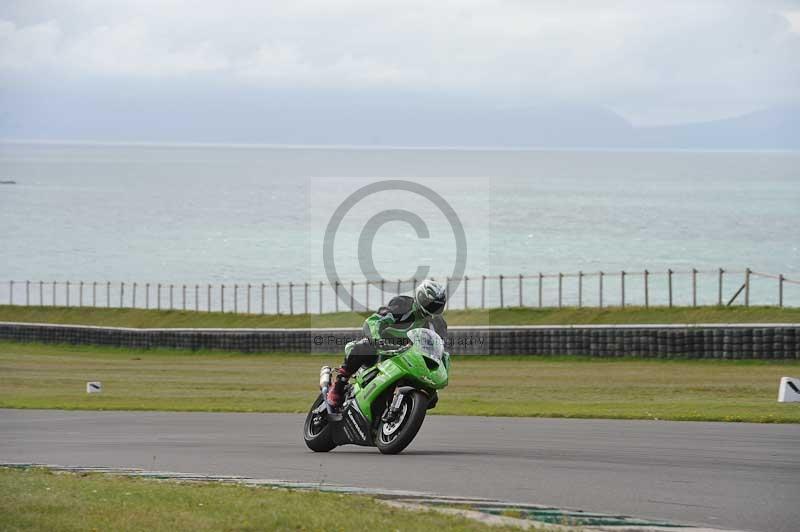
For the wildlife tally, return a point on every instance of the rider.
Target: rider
(392, 322)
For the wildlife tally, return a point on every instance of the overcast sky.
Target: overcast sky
(653, 62)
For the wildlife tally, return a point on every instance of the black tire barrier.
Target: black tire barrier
(747, 341)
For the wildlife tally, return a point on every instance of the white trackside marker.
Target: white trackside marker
(789, 390)
(94, 387)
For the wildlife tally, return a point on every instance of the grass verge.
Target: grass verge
(48, 376)
(37, 499)
(507, 316)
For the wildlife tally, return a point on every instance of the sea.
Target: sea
(254, 214)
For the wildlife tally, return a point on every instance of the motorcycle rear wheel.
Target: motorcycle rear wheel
(318, 439)
(392, 438)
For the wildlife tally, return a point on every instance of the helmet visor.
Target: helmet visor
(434, 307)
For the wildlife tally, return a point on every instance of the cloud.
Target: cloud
(654, 61)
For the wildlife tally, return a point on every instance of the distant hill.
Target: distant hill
(397, 119)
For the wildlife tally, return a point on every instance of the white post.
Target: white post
(147, 296)
(320, 297)
(780, 290)
(28, 293)
(133, 300)
(622, 288)
(483, 291)
(669, 283)
(466, 291)
(277, 298)
(183, 297)
(235, 298)
(108, 294)
(248, 298)
(41, 293)
(336, 295)
(519, 290)
(305, 297)
(501, 291)
(719, 290)
(54, 293)
(580, 289)
(158, 297)
(560, 283)
(66, 292)
(222, 298)
(352, 295)
(694, 287)
(11, 292)
(171, 288)
(600, 289)
(291, 297)
(263, 298)
(208, 298)
(197, 298)
(646, 289)
(121, 294)
(541, 278)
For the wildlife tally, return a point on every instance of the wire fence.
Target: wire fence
(582, 289)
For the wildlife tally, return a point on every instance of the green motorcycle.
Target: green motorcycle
(384, 404)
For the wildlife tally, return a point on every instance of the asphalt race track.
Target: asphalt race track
(739, 476)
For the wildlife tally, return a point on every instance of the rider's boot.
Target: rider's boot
(336, 393)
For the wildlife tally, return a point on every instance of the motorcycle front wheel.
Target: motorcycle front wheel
(395, 436)
(317, 431)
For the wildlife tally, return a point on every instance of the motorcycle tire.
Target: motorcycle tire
(392, 438)
(321, 441)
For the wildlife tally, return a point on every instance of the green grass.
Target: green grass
(506, 316)
(36, 499)
(48, 376)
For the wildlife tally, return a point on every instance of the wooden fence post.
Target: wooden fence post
(669, 283)
(719, 292)
(336, 296)
(694, 287)
(501, 291)
(580, 289)
(622, 288)
(646, 289)
(747, 287)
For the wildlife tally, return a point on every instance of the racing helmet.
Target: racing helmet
(430, 297)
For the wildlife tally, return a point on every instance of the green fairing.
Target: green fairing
(407, 366)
